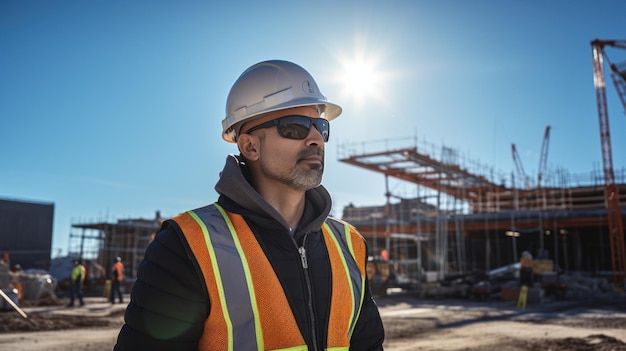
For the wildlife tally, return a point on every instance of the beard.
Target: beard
(300, 177)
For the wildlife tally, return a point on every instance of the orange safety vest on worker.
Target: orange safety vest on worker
(526, 261)
(249, 309)
(118, 271)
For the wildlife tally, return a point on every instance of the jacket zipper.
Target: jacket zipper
(307, 280)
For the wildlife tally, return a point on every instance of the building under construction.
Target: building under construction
(459, 220)
(103, 241)
(463, 219)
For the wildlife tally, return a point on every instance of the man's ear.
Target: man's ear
(248, 146)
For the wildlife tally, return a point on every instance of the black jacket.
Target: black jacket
(169, 302)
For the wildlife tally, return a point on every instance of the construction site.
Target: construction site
(447, 217)
(455, 216)
(449, 226)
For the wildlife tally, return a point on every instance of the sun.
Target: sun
(360, 78)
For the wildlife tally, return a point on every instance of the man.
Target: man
(263, 268)
(526, 269)
(117, 277)
(77, 277)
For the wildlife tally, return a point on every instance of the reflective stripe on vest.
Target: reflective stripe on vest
(249, 309)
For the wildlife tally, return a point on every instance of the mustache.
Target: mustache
(311, 151)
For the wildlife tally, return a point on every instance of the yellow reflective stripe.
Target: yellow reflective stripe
(244, 259)
(337, 348)
(348, 232)
(347, 271)
(348, 235)
(218, 278)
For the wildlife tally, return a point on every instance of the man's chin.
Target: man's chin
(310, 179)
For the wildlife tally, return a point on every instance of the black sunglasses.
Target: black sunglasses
(296, 126)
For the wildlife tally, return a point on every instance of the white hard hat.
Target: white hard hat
(270, 86)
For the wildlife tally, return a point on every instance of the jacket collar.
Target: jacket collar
(233, 186)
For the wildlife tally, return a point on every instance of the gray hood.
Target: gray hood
(234, 185)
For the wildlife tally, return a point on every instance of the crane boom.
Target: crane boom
(543, 160)
(620, 85)
(520, 169)
(611, 194)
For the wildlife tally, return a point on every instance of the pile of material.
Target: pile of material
(580, 286)
(31, 287)
(37, 286)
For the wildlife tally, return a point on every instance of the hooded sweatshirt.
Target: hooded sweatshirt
(169, 302)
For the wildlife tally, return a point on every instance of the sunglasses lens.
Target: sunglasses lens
(323, 127)
(294, 127)
(298, 127)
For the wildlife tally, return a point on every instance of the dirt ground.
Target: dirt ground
(589, 324)
(410, 323)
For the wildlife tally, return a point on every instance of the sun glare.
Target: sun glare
(360, 79)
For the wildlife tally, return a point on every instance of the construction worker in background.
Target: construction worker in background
(526, 269)
(117, 277)
(77, 277)
(264, 267)
(384, 254)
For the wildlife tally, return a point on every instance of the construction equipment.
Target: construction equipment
(523, 178)
(543, 160)
(616, 226)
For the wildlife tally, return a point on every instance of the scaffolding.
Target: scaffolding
(466, 217)
(103, 241)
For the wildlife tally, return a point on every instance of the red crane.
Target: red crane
(611, 194)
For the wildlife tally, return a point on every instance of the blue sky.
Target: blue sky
(112, 109)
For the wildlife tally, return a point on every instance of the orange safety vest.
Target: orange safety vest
(118, 271)
(249, 309)
(526, 262)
